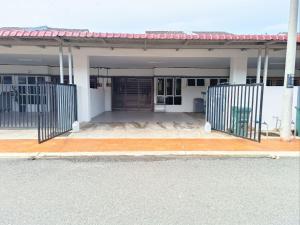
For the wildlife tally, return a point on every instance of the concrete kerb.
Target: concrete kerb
(207, 154)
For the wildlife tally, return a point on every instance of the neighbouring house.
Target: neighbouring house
(156, 71)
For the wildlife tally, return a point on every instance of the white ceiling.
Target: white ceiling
(150, 62)
(137, 62)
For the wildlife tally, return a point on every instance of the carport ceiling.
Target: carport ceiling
(138, 62)
(153, 62)
(33, 60)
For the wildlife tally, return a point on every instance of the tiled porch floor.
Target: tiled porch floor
(146, 125)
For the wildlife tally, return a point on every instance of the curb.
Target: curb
(236, 154)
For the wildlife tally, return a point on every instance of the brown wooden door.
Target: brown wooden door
(132, 94)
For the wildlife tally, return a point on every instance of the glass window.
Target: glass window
(169, 91)
(200, 82)
(161, 86)
(177, 100)
(31, 80)
(178, 87)
(169, 86)
(169, 100)
(190, 82)
(7, 80)
(160, 100)
(223, 81)
(40, 80)
(93, 82)
(213, 82)
(22, 80)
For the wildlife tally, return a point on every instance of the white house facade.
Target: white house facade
(158, 72)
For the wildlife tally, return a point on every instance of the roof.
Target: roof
(78, 33)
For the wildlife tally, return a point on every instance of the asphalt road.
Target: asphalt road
(150, 191)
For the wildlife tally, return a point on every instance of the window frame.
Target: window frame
(162, 99)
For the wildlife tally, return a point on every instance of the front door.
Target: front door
(132, 93)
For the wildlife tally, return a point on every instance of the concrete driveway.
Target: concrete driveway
(150, 191)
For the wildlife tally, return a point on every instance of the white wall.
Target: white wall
(238, 69)
(97, 100)
(272, 106)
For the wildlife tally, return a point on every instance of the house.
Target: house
(159, 71)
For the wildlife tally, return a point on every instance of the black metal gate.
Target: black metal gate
(57, 110)
(236, 109)
(132, 94)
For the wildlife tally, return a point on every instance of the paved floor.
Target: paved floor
(134, 125)
(146, 125)
(136, 116)
(150, 191)
(143, 144)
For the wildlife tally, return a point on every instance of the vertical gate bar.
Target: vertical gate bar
(217, 109)
(260, 111)
(4, 105)
(48, 110)
(238, 111)
(43, 112)
(252, 112)
(70, 106)
(245, 118)
(75, 101)
(229, 107)
(213, 105)
(53, 110)
(64, 108)
(38, 115)
(8, 106)
(1, 102)
(221, 108)
(249, 111)
(207, 106)
(54, 113)
(256, 102)
(26, 102)
(58, 108)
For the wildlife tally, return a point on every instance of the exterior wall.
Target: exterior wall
(238, 69)
(86, 97)
(272, 111)
(97, 99)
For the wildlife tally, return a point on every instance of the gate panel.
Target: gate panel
(57, 110)
(18, 106)
(236, 109)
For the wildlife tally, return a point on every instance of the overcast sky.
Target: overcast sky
(236, 16)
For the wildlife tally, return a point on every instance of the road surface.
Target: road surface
(149, 190)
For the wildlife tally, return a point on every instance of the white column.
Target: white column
(81, 67)
(285, 132)
(266, 66)
(70, 65)
(238, 69)
(258, 70)
(61, 65)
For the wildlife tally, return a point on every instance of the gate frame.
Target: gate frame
(75, 112)
(258, 86)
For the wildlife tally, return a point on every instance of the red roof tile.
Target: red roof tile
(17, 32)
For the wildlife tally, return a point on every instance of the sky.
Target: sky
(137, 16)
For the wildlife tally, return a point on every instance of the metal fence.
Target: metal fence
(18, 106)
(236, 109)
(57, 110)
